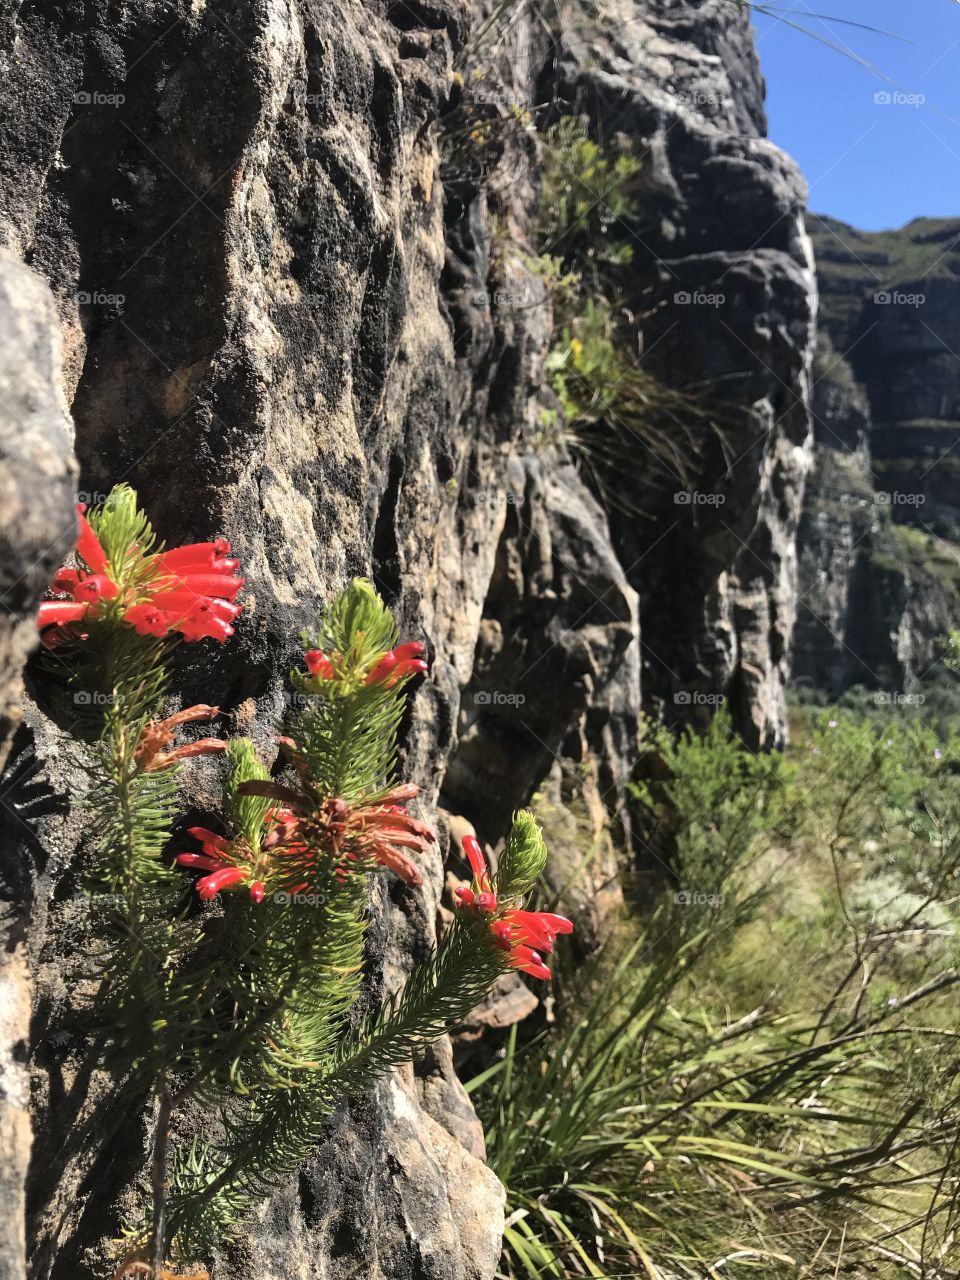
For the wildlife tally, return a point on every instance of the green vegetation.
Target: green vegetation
(765, 1079)
(616, 415)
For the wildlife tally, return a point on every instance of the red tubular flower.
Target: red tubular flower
(53, 613)
(349, 838)
(182, 602)
(383, 669)
(218, 844)
(318, 664)
(481, 895)
(205, 557)
(229, 863)
(226, 878)
(197, 860)
(412, 649)
(148, 620)
(203, 622)
(66, 580)
(190, 589)
(522, 934)
(412, 667)
(397, 664)
(88, 544)
(536, 929)
(204, 584)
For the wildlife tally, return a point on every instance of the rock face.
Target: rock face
(880, 538)
(37, 478)
(287, 318)
(722, 276)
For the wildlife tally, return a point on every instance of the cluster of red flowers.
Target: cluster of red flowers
(389, 669)
(227, 861)
(526, 935)
(190, 590)
(306, 837)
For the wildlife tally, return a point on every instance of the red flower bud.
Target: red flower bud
(225, 878)
(88, 544)
(204, 557)
(411, 667)
(412, 649)
(383, 669)
(318, 664)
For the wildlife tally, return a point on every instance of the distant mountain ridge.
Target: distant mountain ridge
(879, 543)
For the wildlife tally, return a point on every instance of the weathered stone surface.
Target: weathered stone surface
(722, 281)
(37, 478)
(288, 318)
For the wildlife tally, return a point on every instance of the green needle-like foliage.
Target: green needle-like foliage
(247, 1010)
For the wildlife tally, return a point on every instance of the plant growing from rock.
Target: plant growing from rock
(239, 1002)
(619, 416)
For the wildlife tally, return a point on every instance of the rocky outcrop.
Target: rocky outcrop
(37, 477)
(722, 283)
(287, 318)
(880, 537)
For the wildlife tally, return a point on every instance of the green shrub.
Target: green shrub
(768, 1082)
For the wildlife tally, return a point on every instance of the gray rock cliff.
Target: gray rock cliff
(284, 319)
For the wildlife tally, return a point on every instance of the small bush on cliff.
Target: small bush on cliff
(781, 1096)
(621, 419)
(242, 1004)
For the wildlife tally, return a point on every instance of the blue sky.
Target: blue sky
(875, 164)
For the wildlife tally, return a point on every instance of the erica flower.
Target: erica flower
(329, 834)
(397, 664)
(526, 936)
(231, 864)
(155, 737)
(388, 668)
(190, 590)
